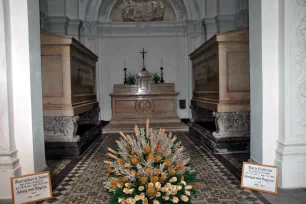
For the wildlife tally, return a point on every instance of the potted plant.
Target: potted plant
(131, 78)
(155, 77)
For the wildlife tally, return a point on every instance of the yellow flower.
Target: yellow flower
(175, 199)
(144, 180)
(151, 192)
(150, 185)
(130, 201)
(158, 194)
(156, 202)
(164, 189)
(137, 198)
(179, 188)
(184, 198)
(147, 149)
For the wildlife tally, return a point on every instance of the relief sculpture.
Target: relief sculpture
(142, 10)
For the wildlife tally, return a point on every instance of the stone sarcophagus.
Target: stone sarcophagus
(68, 87)
(133, 104)
(221, 86)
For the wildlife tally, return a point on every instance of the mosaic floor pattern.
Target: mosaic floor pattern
(55, 166)
(84, 184)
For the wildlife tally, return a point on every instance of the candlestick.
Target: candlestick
(124, 62)
(125, 81)
(161, 75)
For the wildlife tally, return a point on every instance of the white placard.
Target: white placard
(31, 188)
(258, 177)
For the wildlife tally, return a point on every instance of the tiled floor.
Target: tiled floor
(84, 184)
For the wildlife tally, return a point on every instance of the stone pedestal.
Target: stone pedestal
(222, 133)
(61, 134)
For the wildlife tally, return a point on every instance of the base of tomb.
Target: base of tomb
(129, 128)
(203, 134)
(59, 150)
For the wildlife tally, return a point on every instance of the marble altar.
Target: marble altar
(133, 104)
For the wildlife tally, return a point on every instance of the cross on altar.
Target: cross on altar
(143, 54)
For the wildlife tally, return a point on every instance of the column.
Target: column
(21, 96)
(278, 111)
(291, 144)
(9, 162)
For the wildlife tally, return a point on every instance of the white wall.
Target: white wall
(115, 46)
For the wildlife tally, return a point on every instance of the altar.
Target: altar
(133, 104)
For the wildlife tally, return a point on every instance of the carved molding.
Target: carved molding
(232, 124)
(61, 128)
(301, 61)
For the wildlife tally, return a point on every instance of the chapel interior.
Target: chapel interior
(226, 76)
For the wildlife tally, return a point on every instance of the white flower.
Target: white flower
(137, 198)
(126, 190)
(175, 199)
(166, 197)
(131, 191)
(130, 201)
(157, 185)
(168, 185)
(179, 188)
(184, 198)
(128, 185)
(184, 183)
(173, 179)
(141, 188)
(188, 187)
(158, 194)
(187, 193)
(150, 185)
(120, 199)
(142, 196)
(164, 189)
(156, 202)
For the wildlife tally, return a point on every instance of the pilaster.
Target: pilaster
(74, 28)
(210, 27)
(58, 25)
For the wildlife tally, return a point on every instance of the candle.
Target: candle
(162, 62)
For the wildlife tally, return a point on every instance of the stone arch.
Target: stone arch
(100, 10)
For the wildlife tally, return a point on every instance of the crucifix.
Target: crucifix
(143, 54)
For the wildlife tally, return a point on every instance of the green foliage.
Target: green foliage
(155, 77)
(131, 78)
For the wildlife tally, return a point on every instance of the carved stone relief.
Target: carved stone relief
(301, 60)
(144, 106)
(142, 11)
(232, 124)
(61, 128)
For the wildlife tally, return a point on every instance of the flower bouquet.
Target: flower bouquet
(149, 167)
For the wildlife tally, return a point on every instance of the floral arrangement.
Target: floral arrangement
(149, 167)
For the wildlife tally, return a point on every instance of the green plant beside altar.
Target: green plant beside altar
(155, 77)
(131, 78)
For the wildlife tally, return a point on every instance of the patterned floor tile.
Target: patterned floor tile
(84, 184)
